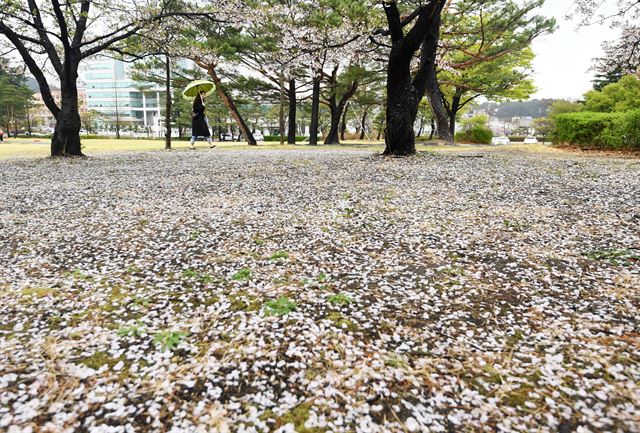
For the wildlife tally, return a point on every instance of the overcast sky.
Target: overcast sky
(561, 66)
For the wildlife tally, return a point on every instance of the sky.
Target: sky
(563, 58)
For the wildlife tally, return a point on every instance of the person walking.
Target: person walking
(199, 122)
(1, 135)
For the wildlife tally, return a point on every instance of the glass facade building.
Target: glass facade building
(112, 93)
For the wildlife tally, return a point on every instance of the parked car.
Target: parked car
(258, 136)
(226, 137)
(530, 140)
(500, 140)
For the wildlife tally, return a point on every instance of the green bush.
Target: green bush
(606, 131)
(476, 134)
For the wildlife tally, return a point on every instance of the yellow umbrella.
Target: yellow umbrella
(195, 87)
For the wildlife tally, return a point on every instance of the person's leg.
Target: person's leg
(193, 142)
(211, 145)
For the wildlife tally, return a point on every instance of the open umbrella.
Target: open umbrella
(195, 87)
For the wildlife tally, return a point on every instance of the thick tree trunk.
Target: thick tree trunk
(66, 136)
(291, 135)
(336, 116)
(315, 111)
(169, 105)
(337, 109)
(402, 106)
(363, 123)
(227, 100)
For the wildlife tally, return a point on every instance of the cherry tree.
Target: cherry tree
(58, 35)
(621, 56)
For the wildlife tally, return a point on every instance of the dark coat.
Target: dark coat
(199, 127)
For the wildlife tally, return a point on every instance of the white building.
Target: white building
(112, 92)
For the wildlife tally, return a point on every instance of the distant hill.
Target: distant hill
(33, 85)
(506, 110)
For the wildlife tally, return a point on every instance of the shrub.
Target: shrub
(607, 131)
(477, 134)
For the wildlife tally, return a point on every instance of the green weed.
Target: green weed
(169, 340)
(243, 274)
(131, 331)
(340, 299)
(279, 307)
(280, 255)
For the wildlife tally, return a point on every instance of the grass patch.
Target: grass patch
(297, 416)
(38, 292)
(279, 256)
(131, 331)
(99, 359)
(339, 299)
(341, 322)
(615, 257)
(243, 274)
(169, 340)
(200, 277)
(243, 301)
(279, 307)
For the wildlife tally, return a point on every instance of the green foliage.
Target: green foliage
(562, 107)
(340, 299)
(243, 274)
(278, 256)
(479, 120)
(198, 276)
(131, 331)
(615, 257)
(15, 98)
(616, 97)
(280, 307)
(477, 134)
(169, 340)
(613, 131)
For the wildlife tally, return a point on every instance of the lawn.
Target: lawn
(319, 290)
(40, 147)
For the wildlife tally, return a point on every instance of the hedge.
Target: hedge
(477, 134)
(606, 131)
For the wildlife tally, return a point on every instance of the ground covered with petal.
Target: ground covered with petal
(320, 291)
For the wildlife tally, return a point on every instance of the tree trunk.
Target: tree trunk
(169, 106)
(291, 135)
(453, 110)
(281, 114)
(343, 122)
(315, 110)
(363, 123)
(402, 106)
(337, 109)
(333, 135)
(428, 55)
(433, 127)
(419, 133)
(66, 136)
(227, 100)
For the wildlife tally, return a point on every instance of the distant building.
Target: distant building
(41, 115)
(111, 92)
